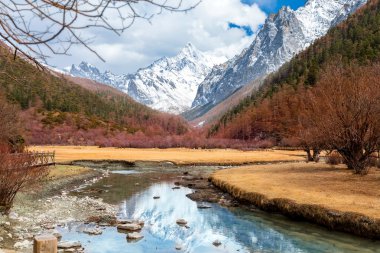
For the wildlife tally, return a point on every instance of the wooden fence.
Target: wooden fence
(39, 159)
(42, 159)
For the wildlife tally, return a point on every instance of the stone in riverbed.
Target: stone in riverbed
(134, 236)
(203, 206)
(156, 197)
(178, 246)
(188, 178)
(69, 245)
(131, 221)
(23, 244)
(130, 227)
(93, 231)
(181, 222)
(78, 250)
(176, 188)
(56, 233)
(49, 226)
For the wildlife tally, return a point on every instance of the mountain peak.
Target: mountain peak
(283, 35)
(169, 84)
(190, 51)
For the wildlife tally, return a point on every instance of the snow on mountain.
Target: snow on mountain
(169, 84)
(283, 35)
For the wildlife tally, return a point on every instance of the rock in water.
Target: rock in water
(217, 243)
(131, 221)
(93, 231)
(156, 197)
(134, 236)
(203, 206)
(69, 245)
(57, 234)
(181, 222)
(130, 227)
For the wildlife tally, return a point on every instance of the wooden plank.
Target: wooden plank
(45, 244)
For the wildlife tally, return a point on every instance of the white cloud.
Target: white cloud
(206, 27)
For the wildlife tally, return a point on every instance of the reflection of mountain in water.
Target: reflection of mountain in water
(235, 228)
(205, 225)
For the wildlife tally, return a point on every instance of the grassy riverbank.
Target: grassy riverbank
(319, 193)
(179, 156)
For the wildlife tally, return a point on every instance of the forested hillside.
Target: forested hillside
(56, 110)
(267, 111)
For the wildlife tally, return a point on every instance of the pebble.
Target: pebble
(22, 245)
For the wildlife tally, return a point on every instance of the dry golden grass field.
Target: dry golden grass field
(178, 156)
(332, 187)
(62, 171)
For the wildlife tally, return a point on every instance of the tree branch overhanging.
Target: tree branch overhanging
(36, 28)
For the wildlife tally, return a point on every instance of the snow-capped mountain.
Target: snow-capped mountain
(283, 35)
(89, 71)
(169, 84)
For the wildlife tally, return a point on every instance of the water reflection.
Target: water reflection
(205, 226)
(238, 230)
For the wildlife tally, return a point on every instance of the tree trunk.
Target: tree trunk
(309, 156)
(356, 161)
(316, 154)
(359, 167)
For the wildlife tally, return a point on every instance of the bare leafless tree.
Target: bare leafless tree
(343, 113)
(37, 28)
(16, 172)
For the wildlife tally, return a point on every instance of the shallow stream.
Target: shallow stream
(239, 230)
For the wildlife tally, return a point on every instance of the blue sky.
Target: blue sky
(272, 6)
(268, 6)
(225, 32)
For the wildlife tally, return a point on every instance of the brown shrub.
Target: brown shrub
(16, 172)
(334, 158)
(374, 161)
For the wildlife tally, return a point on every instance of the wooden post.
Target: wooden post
(45, 244)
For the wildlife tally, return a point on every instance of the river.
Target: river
(238, 229)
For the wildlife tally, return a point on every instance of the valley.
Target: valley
(236, 126)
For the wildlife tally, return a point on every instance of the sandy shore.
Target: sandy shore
(326, 195)
(179, 156)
